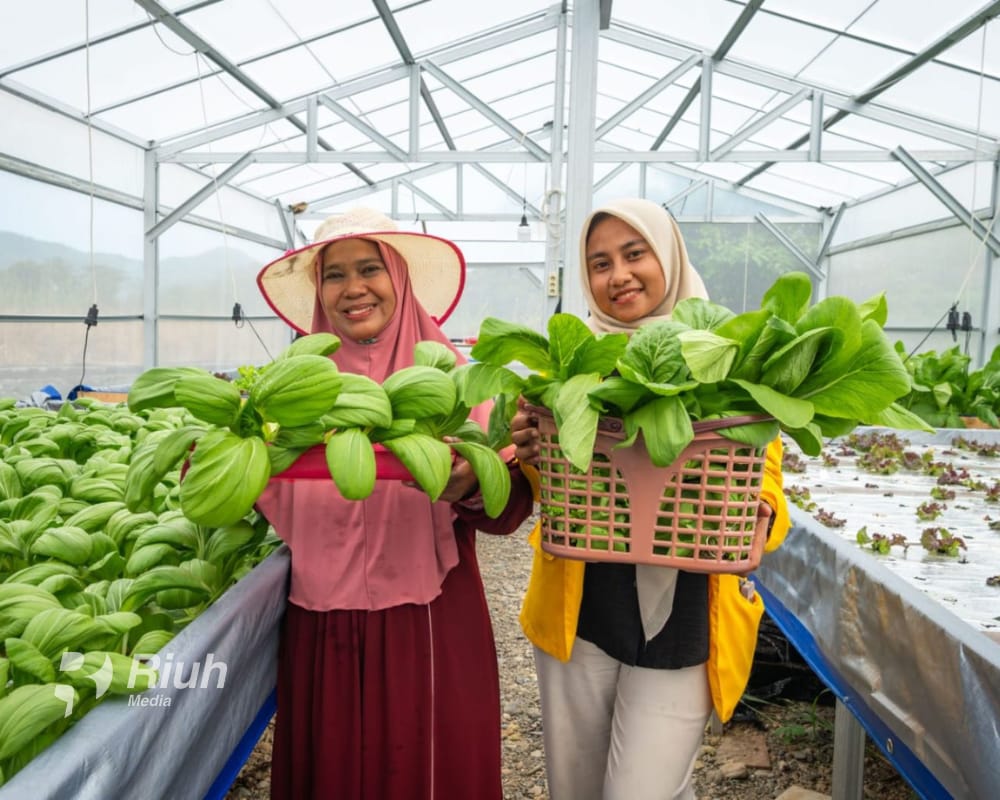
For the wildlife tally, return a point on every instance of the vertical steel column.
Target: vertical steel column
(150, 262)
(555, 230)
(848, 755)
(988, 338)
(580, 150)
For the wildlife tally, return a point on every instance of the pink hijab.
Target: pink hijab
(396, 546)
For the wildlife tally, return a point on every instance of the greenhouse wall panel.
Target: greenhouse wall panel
(915, 205)
(922, 275)
(65, 354)
(61, 144)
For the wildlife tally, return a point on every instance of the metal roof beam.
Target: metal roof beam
(736, 29)
(612, 174)
(446, 212)
(789, 245)
(503, 187)
(950, 202)
(15, 89)
(828, 239)
(358, 124)
(520, 137)
(604, 15)
(255, 120)
(389, 21)
(646, 40)
(100, 39)
(63, 180)
(172, 23)
(300, 42)
(679, 112)
(630, 108)
(693, 187)
(952, 37)
(171, 145)
(602, 156)
(760, 123)
(199, 197)
(720, 53)
(955, 35)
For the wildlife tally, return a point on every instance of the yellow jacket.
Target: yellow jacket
(555, 589)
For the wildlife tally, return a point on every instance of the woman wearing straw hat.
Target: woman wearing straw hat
(632, 658)
(387, 673)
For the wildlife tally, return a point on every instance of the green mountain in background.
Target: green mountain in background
(48, 278)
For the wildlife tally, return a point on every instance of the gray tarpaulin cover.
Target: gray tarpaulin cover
(930, 676)
(175, 751)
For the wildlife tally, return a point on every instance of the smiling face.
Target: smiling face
(625, 275)
(356, 292)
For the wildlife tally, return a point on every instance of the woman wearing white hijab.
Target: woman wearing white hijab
(631, 659)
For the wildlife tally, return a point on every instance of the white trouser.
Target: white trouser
(614, 732)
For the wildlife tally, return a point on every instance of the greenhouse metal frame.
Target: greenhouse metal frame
(158, 153)
(433, 133)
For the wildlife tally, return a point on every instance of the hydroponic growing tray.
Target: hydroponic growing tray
(176, 743)
(904, 639)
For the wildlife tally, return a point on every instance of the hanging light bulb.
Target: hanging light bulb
(523, 230)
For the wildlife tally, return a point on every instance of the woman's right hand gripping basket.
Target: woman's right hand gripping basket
(698, 514)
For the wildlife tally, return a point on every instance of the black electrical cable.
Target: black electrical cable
(936, 324)
(239, 318)
(90, 321)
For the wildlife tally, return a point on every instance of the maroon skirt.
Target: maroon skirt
(398, 704)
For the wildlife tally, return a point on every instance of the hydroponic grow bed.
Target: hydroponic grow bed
(172, 742)
(902, 639)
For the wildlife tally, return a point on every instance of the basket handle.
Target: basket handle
(615, 425)
(703, 426)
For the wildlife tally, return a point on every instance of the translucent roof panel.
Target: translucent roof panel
(703, 23)
(837, 15)
(209, 80)
(355, 51)
(430, 25)
(951, 96)
(981, 51)
(157, 59)
(262, 27)
(894, 23)
(851, 66)
(185, 109)
(799, 43)
(65, 25)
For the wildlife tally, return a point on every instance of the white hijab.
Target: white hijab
(654, 585)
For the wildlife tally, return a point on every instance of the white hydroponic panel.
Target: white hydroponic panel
(907, 634)
(887, 504)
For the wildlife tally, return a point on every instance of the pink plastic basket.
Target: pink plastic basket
(699, 514)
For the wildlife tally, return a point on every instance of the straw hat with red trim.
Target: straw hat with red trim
(437, 267)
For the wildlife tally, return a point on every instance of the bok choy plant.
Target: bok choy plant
(812, 371)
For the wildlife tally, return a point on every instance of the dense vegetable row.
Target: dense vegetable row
(86, 583)
(119, 525)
